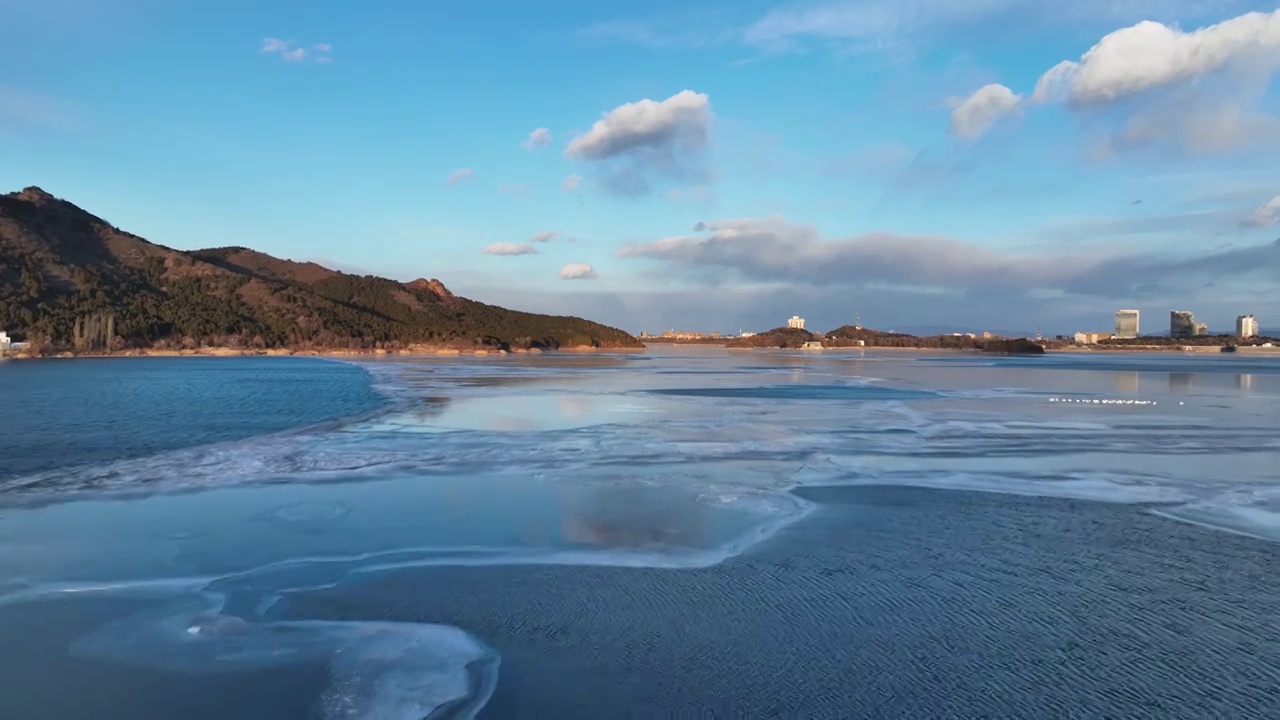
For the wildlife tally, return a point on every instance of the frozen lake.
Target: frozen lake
(399, 538)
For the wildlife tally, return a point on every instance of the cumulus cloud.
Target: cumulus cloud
(772, 250)
(573, 182)
(275, 45)
(289, 51)
(1157, 84)
(459, 175)
(578, 271)
(1150, 55)
(544, 236)
(537, 139)
(975, 114)
(646, 126)
(646, 138)
(1267, 214)
(506, 248)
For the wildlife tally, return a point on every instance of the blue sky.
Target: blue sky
(918, 161)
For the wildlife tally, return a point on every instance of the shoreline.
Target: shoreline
(432, 351)
(1077, 350)
(425, 351)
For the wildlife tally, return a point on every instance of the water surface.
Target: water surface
(687, 531)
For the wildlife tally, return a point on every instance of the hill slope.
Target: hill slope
(71, 279)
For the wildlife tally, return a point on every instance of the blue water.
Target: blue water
(71, 412)
(683, 533)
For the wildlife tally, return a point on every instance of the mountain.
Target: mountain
(72, 280)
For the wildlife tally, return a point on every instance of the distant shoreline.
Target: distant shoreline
(428, 351)
(424, 351)
(1049, 348)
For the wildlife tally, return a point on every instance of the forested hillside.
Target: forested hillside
(69, 279)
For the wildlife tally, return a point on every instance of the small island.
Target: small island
(856, 336)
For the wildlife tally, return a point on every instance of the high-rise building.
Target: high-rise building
(1182, 324)
(1247, 326)
(796, 322)
(1126, 324)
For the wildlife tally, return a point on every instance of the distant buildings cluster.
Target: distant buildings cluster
(1127, 324)
(7, 343)
(1182, 324)
(682, 335)
(1247, 326)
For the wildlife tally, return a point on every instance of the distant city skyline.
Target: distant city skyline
(1121, 317)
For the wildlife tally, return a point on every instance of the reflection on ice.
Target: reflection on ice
(221, 581)
(236, 530)
(507, 414)
(1180, 382)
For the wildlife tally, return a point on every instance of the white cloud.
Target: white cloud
(1267, 214)
(680, 121)
(637, 143)
(545, 236)
(290, 52)
(1150, 55)
(975, 114)
(506, 248)
(537, 139)
(275, 45)
(458, 176)
(578, 271)
(772, 250)
(573, 182)
(1152, 85)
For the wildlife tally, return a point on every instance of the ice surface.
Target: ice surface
(845, 418)
(379, 670)
(674, 461)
